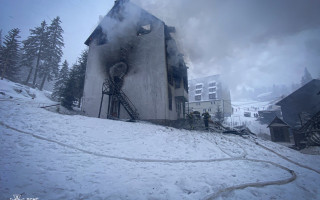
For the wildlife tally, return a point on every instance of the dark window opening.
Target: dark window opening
(170, 98)
(198, 91)
(101, 39)
(212, 96)
(185, 84)
(212, 84)
(198, 86)
(198, 97)
(212, 89)
(177, 82)
(144, 29)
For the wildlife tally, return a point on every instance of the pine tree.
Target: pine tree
(80, 75)
(306, 77)
(61, 81)
(53, 54)
(0, 39)
(28, 57)
(9, 54)
(38, 41)
(68, 97)
(75, 83)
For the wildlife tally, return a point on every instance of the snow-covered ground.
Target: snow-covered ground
(47, 155)
(252, 107)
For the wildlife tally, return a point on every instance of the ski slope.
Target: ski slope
(47, 155)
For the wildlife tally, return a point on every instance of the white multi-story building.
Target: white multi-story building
(208, 94)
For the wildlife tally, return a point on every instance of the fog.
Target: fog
(251, 43)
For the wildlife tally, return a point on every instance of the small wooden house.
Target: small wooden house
(279, 130)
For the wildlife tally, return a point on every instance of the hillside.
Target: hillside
(47, 155)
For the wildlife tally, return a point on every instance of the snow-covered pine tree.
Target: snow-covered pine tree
(306, 77)
(29, 53)
(0, 46)
(61, 81)
(9, 55)
(80, 75)
(0, 39)
(38, 41)
(53, 53)
(68, 96)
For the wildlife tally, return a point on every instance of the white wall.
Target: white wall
(146, 82)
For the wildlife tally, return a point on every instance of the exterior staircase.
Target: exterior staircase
(111, 88)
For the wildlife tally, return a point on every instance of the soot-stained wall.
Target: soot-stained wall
(145, 83)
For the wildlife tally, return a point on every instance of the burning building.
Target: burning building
(135, 68)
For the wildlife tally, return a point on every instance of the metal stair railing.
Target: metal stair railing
(111, 88)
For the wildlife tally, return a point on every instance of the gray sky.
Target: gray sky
(79, 18)
(252, 43)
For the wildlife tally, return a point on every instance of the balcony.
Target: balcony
(181, 93)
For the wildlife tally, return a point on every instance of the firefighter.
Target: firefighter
(206, 116)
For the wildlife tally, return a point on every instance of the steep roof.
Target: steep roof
(118, 5)
(277, 122)
(311, 87)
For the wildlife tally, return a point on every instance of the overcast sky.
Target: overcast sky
(252, 43)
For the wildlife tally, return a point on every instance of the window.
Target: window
(101, 39)
(198, 97)
(209, 109)
(144, 29)
(199, 86)
(212, 89)
(170, 98)
(212, 96)
(212, 84)
(198, 91)
(204, 110)
(177, 82)
(198, 104)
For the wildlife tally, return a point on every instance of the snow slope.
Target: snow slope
(52, 156)
(238, 118)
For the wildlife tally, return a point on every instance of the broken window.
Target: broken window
(144, 29)
(185, 84)
(100, 36)
(101, 39)
(177, 82)
(198, 97)
(212, 96)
